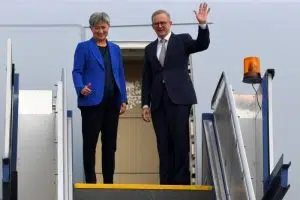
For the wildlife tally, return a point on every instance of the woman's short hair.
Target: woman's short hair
(97, 17)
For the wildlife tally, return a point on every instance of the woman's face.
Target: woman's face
(100, 31)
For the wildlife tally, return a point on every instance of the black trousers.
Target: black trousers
(103, 117)
(171, 125)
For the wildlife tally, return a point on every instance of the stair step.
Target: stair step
(141, 191)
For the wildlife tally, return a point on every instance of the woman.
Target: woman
(99, 80)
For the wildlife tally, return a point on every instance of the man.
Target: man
(168, 92)
(99, 80)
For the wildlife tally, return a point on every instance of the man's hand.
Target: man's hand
(146, 114)
(123, 108)
(202, 14)
(86, 90)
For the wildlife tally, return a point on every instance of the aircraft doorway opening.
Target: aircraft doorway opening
(136, 155)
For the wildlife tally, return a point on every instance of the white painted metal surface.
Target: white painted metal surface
(250, 120)
(30, 104)
(8, 105)
(36, 149)
(214, 160)
(65, 136)
(64, 143)
(132, 44)
(59, 140)
(233, 156)
(241, 145)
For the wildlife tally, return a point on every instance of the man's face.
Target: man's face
(161, 24)
(100, 31)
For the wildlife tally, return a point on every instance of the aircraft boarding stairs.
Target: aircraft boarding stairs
(237, 155)
(234, 161)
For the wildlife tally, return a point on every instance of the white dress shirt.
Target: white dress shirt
(159, 44)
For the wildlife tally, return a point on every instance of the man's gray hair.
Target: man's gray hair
(157, 12)
(97, 17)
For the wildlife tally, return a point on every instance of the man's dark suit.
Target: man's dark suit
(169, 91)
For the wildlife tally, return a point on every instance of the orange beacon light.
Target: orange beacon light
(252, 70)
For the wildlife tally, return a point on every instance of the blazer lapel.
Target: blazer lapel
(153, 51)
(171, 45)
(113, 56)
(96, 52)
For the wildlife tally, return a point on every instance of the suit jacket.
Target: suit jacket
(174, 73)
(89, 68)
